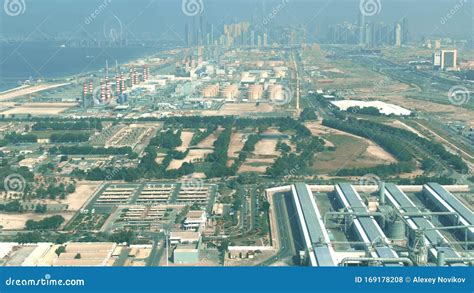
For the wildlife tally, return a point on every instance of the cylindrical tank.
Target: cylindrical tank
(396, 230)
(440, 260)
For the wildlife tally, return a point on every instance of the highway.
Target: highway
(287, 248)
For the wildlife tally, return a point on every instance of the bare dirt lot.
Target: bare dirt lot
(236, 144)
(34, 111)
(186, 137)
(263, 157)
(351, 151)
(209, 141)
(75, 201)
(27, 90)
(266, 147)
(241, 109)
(193, 156)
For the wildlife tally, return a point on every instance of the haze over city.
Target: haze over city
(238, 133)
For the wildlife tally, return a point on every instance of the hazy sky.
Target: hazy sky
(155, 17)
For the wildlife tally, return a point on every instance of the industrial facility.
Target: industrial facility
(385, 225)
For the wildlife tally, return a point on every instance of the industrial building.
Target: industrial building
(365, 226)
(187, 248)
(445, 201)
(315, 235)
(195, 220)
(386, 225)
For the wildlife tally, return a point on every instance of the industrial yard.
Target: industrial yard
(386, 225)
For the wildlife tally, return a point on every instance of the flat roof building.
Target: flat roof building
(195, 220)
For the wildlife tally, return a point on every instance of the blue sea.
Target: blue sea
(20, 61)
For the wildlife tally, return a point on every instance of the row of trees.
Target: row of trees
(200, 135)
(75, 125)
(50, 223)
(381, 170)
(53, 190)
(69, 137)
(219, 157)
(306, 147)
(168, 139)
(15, 138)
(390, 143)
(89, 150)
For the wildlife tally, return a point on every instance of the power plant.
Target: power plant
(108, 91)
(385, 225)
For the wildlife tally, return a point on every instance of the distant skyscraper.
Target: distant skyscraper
(398, 35)
(405, 32)
(449, 59)
(361, 29)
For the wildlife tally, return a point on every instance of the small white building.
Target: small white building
(195, 220)
(185, 237)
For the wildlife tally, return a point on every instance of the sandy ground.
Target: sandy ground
(236, 144)
(17, 221)
(373, 149)
(264, 155)
(209, 141)
(266, 147)
(34, 111)
(192, 156)
(246, 168)
(241, 109)
(75, 201)
(159, 159)
(186, 137)
(22, 91)
(379, 153)
(84, 190)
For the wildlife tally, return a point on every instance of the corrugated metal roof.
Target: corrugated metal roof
(368, 223)
(450, 199)
(433, 236)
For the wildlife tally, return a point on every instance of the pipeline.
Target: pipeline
(375, 214)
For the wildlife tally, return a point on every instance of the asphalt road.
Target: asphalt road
(284, 232)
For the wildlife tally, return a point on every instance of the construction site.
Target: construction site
(385, 225)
